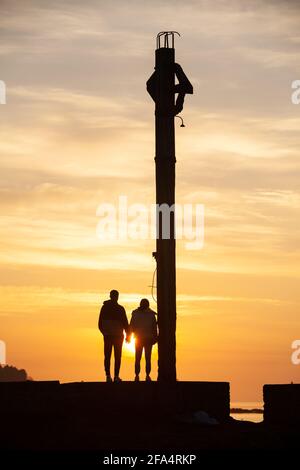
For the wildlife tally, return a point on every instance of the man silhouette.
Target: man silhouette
(112, 324)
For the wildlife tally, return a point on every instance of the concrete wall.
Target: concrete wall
(282, 404)
(148, 399)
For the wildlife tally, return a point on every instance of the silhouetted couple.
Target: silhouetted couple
(113, 324)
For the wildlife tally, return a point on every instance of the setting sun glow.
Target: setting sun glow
(129, 347)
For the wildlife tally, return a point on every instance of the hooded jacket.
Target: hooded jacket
(112, 319)
(143, 324)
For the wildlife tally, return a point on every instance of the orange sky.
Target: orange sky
(77, 130)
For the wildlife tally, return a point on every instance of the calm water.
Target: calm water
(244, 416)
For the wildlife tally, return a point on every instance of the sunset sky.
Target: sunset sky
(77, 131)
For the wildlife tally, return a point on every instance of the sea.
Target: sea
(247, 411)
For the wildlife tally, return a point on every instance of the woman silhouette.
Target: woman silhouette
(143, 325)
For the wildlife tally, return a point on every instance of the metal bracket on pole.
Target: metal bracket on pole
(183, 87)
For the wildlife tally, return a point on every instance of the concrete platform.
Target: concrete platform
(282, 404)
(102, 399)
(88, 420)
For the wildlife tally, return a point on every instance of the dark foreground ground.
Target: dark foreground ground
(133, 433)
(86, 422)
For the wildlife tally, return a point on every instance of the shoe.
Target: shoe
(108, 378)
(148, 378)
(137, 378)
(117, 379)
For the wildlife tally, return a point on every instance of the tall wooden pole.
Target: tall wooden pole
(161, 87)
(165, 194)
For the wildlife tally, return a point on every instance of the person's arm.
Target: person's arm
(132, 323)
(125, 321)
(154, 328)
(125, 325)
(100, 321)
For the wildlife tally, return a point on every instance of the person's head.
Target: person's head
(144, 303)
(114, 295)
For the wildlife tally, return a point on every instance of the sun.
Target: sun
(130, 347)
